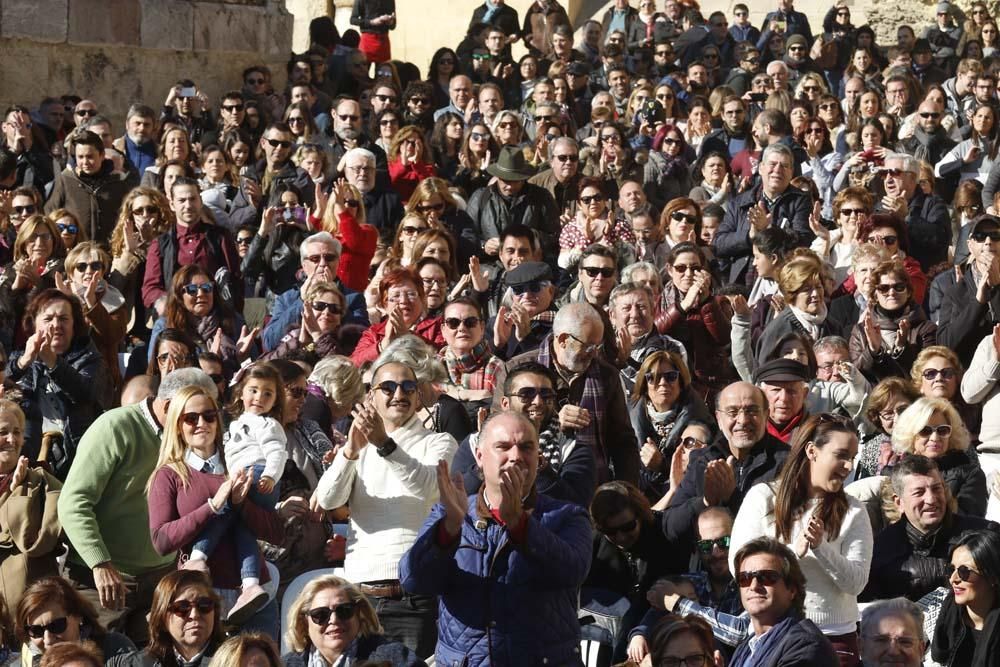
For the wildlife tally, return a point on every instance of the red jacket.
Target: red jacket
(359, 243)
(917, 277)
(405, 178)
(367, 350)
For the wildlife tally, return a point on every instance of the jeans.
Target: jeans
(411, 620)
(247, 551)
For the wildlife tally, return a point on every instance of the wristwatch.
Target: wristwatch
(386, 448)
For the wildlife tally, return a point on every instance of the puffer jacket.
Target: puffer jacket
(886, 363)
(533, 207)
(503, 605)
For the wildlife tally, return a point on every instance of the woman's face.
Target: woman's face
(869, 105)
(560, 90)
(409, 231)
(832, 463)
(777, 46)
(404, 297)
(681, 223)
(172, 355)
(333, 638)
(61, 627)
(192, 631)
(829, 112)
(479, 139)
(798, 116)
(809, 298)
(215, 165)
(454, 129)
(56, 318)
(295, 398)
(446, 64)
(989, 33)
(92, 270)
(665, 96)
(862, 61)
(435, 283)
(289, 199)
(851, 213)
(870, 137)
(176, 146)
(529, 68)
(240, 153)
(623, 529)
(894, 408)
(683, 271)
(939, 379)
(672, 143)
(171, 174)
(936, 97)
(714, 170)
(329, 318)
(891, 292)
(794, 349)
(201, 435)
(982, 121)
(931, 441)
(977, 590)
(66, 225)
(508, 131)
(764, 264)
(663, 386)
(700, 116)
(592, 203)
(387, 126)
(439, 250)
(683, 645)
(39, 245)
(974, 50)
(11, 441)
(431, 208)
(886, 237)
(297, 122)
(863, 276)
(312, 163)
(201, 302)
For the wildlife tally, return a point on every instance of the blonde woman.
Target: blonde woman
(346, 221)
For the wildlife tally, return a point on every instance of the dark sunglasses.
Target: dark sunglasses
(320, 306)
(766, 577)
(183, 608)
(706, 546)
(814, 130)
(454, 322)
(691, 442)
(944, 430)
(618, 530)
(594, 271)
(388, 122)
(423, 208)
(147, 211)
(657, 378)
(828, 106)
(86, 112)
(191, 418)
(685, 268)
(895, 173)
(345, 117)
(980, 237)
(478, 136)
(945, 373)
(539, 119)
(93, 266)
(534, 287)
(351, 203)
(244, 240)
(387, 98)
(389, 387)
(275, 143)
(30, 209)
(321, 615)
(590, 199)
(56, 626)
(419, 100)
(327, 257)
(410, 230)
(613, 138)
(528, 394)
(930, 114)
(898, 288)
(67, 229)
(567, 157)
(205, 288)
(964, 573)
(853, 211)
(232, 107)
(680, 216)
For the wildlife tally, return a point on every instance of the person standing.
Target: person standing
(375, 18)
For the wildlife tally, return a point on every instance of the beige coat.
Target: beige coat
(29, 533)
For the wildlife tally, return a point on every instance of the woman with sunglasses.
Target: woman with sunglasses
(593, 223)
(822, 164)
(445, 141)
(886, 403)
(444, 65)
(433, 199)
(319, 331)
(932, 427)
(807, 510)
(190, 492)
(402, 301)
(410, 161)
(52, 612)
(331, 618)
(385, 125)
(346, 219)
(966, 632)
(669, 166)
(892, 234)
(185, 624)
(661, 407)
(681, 221)
(70, 229)
(222, 190)
(478, 148)
(894, 328)
(468, 357)
(38, 256)
(613, 159)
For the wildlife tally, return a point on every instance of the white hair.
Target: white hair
(909, 163)
(340, 379)
(362, 153)
(571, 318)
(176, 380)
(414, 353)
(320, 237)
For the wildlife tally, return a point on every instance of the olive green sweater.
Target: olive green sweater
(103, 506)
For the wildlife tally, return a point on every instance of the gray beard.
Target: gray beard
(348, 133)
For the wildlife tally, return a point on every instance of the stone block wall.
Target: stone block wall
(123, 51)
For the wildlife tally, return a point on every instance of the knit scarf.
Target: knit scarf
(472, 361)
(663, 422)
(206, 327)
(784, 433)
(765, 653)
(491, 9)
(675, 166)
(548, 443)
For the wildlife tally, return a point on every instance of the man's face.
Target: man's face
(598, 277)
(277, 146)
(769, 602)
(646, 231)
(634, 312)
(543, 93)
(984, 90)
(741, 416)
(942, 19)
(21, 207)
(894, 641)
(929, 118)
(828, 360)
(384, 98)
(494, 42)
(347, 120)
(592, 37)
(779, 75)
(185, 202)
(322, 260)
(534, 297)
(509, 188)
(603, 100)
(664, 54)
(785, 399)
(490, 102)
(673, 10)
(303, 94)
(103, 130)
(507, 443)
(896, 93)
(233, 111)
(17, 131)
(526, 391)
(576, 352)
(360, 173)
(899, 183)
(719, 27)
(565, 161)
(631, 197)
(733, 115)
(776, 171)
(395, 406)
(88, 159)
(460, 91)
(618, 83)
(697, 74)
(984, 252)
(751, 62)
(712, 527)
(83, 111)
(301, 72)
(514, 251)
(905, 38)
(924, 501)
(54, 115)
(141, 129)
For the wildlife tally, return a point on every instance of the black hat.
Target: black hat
(962, 245)
(782, 370)
(528, 272)
(511, 165)
(921, 46)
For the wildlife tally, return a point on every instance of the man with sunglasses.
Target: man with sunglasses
(232, 116)
(970, 303)
(563, 176)
(741, 76)
(910, 556)
(930, 142)
(386, 473)
(105, 513)
(518, 597)
(277, 146)
(522, 324)
(34, 164)
(347, 134)
(926, 216)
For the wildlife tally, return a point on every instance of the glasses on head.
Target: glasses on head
(232, 108)
(56, 626)
(192, 288)
(528, 394)
(182, 608)
(401, 297)
(454, 323)
(943, 431)
(669, 377)
(590, 199)
(208, 416)
(586, 348)
(602, 271)
(321, 615)
(765, 577)
(884, 288)
(982, 237)
(30, 209)
(424, 208)
(145, 211)
(885, 240)
(964, 572)
(81, 267)
(321, 306)
(389, 387)
(751, 411)
(325, 258)
(932, 373)
(534, 287)
(278, 143)
(706, 546)
(626, 527)
(67, 229)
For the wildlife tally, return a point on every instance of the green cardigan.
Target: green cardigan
(103, 506)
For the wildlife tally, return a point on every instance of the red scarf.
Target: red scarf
(785, 433)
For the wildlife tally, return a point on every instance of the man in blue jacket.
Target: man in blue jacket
(507, 562)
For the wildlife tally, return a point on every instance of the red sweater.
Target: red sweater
(177, 516)
(405, 178)
(367, 349)
(359, 243)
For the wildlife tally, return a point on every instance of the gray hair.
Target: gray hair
(319, 237)
(629, 272)
(414, 353)
(340, 379)
(627, 288)
(95, 120)
(831, 343)
(571, 318)
(362, 153)
(570, 141)
(593, 100)
(909, 163)
(779, 149)
(176, 380)
(873, 613)
(779, 64)
(140, 110)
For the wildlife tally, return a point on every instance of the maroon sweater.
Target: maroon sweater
(177, 515)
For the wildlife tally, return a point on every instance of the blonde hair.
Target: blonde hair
(915, 417)
(60, 213)
(12, 407)
(798, 272)
(406, 133)
(340, 379)
(87, 248)
(332, 224)
(165, 218)
(232, 651)
(868, 252)
(323, 287)
(297, 634)
(928, 353)
(28, 229)
(172, 447)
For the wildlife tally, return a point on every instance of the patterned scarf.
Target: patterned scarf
(663, 422)
(475, 370)
(548, 443)
(545, 316)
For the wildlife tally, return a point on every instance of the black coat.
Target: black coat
(929, 228)
(383, 211)
(803, 646)
(952, 634)
(966, 481)
(376, 649)
(964, 321)
(533, 207)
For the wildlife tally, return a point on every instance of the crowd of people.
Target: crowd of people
(675, 346)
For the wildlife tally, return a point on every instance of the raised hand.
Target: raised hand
(816, 223)
(20, 472)
(480, 279)
(572, 417)
(452, 494)
(245, 341)
(720, 481)
(872, 332)
(503, 326)
(650, 455)
(369, 423)
(512, 482)
(739, 304)
(45, 352)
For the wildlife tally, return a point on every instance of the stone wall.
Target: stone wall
(123, 51)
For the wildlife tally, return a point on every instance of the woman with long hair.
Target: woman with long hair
(444, 65)
(346, 220)
(823, 162)
(807, 510)
(446, 141)
(175, 146)
(477, 149)
(850, 207)
(223, 191)
(974, 157)
(410, 161)
(432, 199)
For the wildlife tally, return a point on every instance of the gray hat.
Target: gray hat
(781, 370)
(511, 165)
(944, 8)
(528, 272)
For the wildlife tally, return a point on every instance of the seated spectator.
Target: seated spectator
(593, 223)
(68, 225)
(433, 273)
(175, 147)
(675, 638)
(632, 313)
(319, 332)
(172, 349)
(38, 255)
(346, 220)
(801, 283)
(248, 649)
(837, 247)
(75, 654)
(521, 326)
(331, 602)
(274, 251)
(232, 200)
(784, 383)
(979, 387)
(886, 402)
(891, 233)
(410, 161)
(402, 299)
(925, 214)
(472, 368)
(892, 633)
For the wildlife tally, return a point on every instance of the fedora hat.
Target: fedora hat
(511, 165)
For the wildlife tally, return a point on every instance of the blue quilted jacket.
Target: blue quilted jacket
(504, 604)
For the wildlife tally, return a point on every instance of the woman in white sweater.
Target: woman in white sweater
(806, 509)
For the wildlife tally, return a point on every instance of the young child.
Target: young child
(255, 442)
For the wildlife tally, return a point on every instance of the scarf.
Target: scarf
(663, 422)
(811, 323)
(346, 659)
(206, 327)
(784, 433)
(675, 166)
(491, 10)
(459, 365)
(766, 648)
(887, 456)
(548, 443)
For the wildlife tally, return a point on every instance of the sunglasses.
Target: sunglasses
(345, 117)
(30, 209)
(930, 114)
(981, 237)
(618, 530)
(691, 442)
(321, 615)
(244, 240)
(932, 373)
(539, 119)
(885, 240)
(204, 288)
(295, 120)
(765, 577)
(454, 322)
(410, 230)
(419, 100)
(796, 48)
(389, 387)
(81, 267)
(657, 378)
(86, 112)
(326, 257)
(534, 287)
(706, 546)
(275, 143)
(944, 430)
(611, 138)
(898, 288)
(387, 98)
(670, 141)
(424, 208)
(594, 271)
(964, 573)
(192, 418)
(829, 106)
(298, 393)
(56, 626)
(815, 130)
(685, 268)
(566, 157)
(232, 107)
(334, 308)
(478, 136)
(528, 394)
(664, 96)
(351, 203)
(145, 211)
(388, 122)
(853, 211)
(680, 216)
(183, 608)
(67, 229)
(590, 199)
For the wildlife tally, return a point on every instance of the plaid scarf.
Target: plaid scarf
(592, 399)
(476, 370)
(545, 316)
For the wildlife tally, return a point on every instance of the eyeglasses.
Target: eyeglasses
(943, 431)
(347, 117)
(656, 378)
(590, 199)
(410, 230)
(86, 112)
(321, 615)
(454, 322)
(814, 130)
(361, 170)
(898, 288)
(706, 546)
(567, 157)
(691, 442)
(964, 572)
(424, 208)
(205, 288)
(400, 297)
(321, 306)
(276, 143)
(192, 418)
(145, 211)
(828, 106)
(182, 608)
(626, 527)
(56, 626)
(765, 577)
(389, 387)
(82, 267)
(586, 348)
(244, 240)
(981, 237)
(681, 216)
(930, 114)
(326, 257)
(594, 271)
(67, 229)
(891, 414)
(529, 394)
(885, 240)
(751, 411)
(30, 209)
(534, 287)
(848, 212)
(932, 373)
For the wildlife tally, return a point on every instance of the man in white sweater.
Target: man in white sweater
(387, 472)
